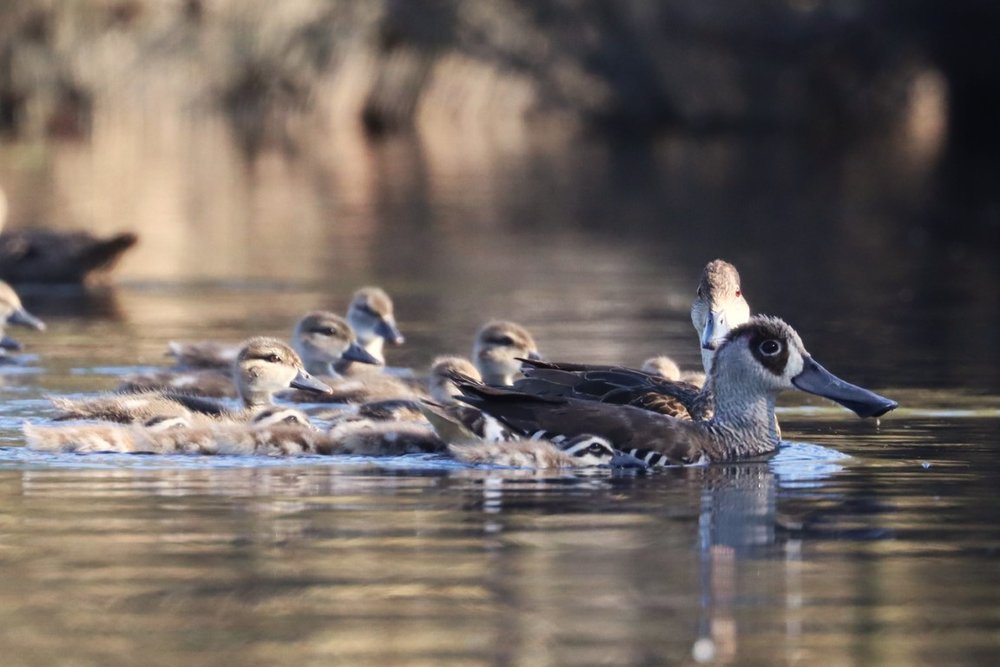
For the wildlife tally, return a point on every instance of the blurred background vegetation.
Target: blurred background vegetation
(821, 66)
(210, 114)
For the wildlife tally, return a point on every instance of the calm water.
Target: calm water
(857, 545)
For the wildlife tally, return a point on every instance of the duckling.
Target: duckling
(498, 349)
(12, 312)
(695, 378)
(176, 436)
(665, 368)
(320, 337)
(370, 437)
(324, 340)
(207, 354)
(582, 451)
(756, 361)
(440, 383)
(262, 367)
(459, 419)
(662, 366)
(371, 317)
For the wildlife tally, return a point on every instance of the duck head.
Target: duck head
(498, 346)
(441, 383)
(718, 306)
(322, 339)
(371, 316)
(266, 365)
(766, 356)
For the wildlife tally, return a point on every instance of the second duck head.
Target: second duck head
(498, 346)
(371, 316)
(322, 339)
(266, 365)
(718, 307)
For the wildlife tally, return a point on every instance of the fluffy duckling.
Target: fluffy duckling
(457, 419)
(176, 436)
(320, 337)
(498, 349)
(199, 355)
(372, 318)
(662, 366)
(582, 451)
(441, 384)
(12, 312)
(263, 366)
(665, 368)
(324, 340)
(273, 432)
(370, 437)
(757, 361)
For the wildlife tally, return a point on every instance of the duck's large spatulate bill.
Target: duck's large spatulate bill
(817, 380)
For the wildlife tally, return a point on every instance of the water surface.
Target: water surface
(858, 544)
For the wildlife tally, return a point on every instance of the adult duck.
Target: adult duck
(755, 362)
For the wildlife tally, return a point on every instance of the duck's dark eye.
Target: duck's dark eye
(503, 340)
(596, 448)
(739, 292)
(769, 348)
(325, 331)
(701, 293)
(273, 358)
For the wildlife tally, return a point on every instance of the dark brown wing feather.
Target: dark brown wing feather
(615, 384)
(626, 427)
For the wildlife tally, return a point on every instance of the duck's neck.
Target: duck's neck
(320, 367)
(707, 356)
(743, 425)
(374, 346)
(254, 399)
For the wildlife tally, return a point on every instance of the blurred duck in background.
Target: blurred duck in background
(371, 316)
(58, 257)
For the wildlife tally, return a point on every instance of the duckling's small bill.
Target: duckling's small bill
(305, 381)
(390, 332)
(10, 344)
(26, 319)
(357, 353)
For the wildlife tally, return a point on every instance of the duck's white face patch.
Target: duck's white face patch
(794, 364)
